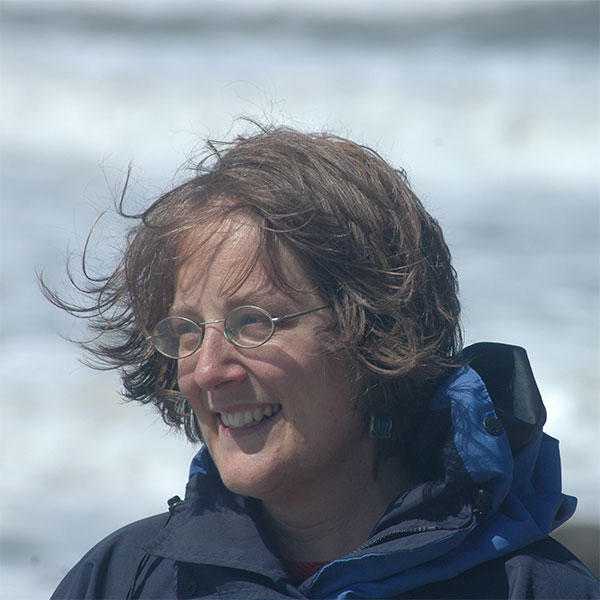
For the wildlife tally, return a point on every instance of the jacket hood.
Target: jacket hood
(492, 484)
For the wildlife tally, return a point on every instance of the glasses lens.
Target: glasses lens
(176, 337)
(248, 326)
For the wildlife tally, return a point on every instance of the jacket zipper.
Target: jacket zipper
(476, 512)
(394, 534)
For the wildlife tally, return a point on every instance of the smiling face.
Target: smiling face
(278, 420)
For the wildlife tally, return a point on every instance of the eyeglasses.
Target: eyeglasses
(244, 326)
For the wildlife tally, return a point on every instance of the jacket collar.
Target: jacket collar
(213, 526)
(494, 488)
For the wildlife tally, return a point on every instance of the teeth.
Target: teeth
(249, 417)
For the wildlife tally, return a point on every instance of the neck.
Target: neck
(325, 524)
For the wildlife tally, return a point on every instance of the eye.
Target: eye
(177, 337)
(183, 327)
(250, 319)
(248, 326)
(187, 334)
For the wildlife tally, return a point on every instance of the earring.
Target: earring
(381, 427)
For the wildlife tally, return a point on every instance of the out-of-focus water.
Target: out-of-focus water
(492, 107)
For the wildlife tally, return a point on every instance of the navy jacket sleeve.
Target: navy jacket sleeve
(545, 570)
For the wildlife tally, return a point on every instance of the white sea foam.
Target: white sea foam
(499, 136)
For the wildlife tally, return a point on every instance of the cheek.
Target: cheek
(188, 387)
(327, 394)
(185, 376)
(196, 400)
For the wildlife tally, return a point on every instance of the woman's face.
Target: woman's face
(278, 420)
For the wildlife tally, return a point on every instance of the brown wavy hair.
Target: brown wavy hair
(362, 235)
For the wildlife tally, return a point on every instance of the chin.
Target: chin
(260, 483)
(255, 488)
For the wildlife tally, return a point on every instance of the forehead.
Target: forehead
(230, 258)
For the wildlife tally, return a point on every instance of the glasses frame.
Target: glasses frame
(202, 327)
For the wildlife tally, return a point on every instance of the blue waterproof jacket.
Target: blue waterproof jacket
(476, 528)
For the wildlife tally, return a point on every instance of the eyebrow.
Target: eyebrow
(181, 311)
(265, 295)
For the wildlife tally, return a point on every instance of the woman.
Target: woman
(293, 306)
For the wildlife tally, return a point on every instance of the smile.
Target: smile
(248, 418)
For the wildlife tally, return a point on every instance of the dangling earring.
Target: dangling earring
(381, 427)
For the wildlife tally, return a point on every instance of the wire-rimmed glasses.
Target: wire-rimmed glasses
(244, 326)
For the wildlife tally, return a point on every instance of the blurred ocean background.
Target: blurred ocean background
(491, 106)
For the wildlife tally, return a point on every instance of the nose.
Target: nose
(217, 362)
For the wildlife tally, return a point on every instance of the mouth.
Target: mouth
(249, 418)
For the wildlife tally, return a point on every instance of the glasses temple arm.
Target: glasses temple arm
(298, 314)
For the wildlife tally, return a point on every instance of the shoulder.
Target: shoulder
(127, 540)
(544, 569)
(109, 567)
